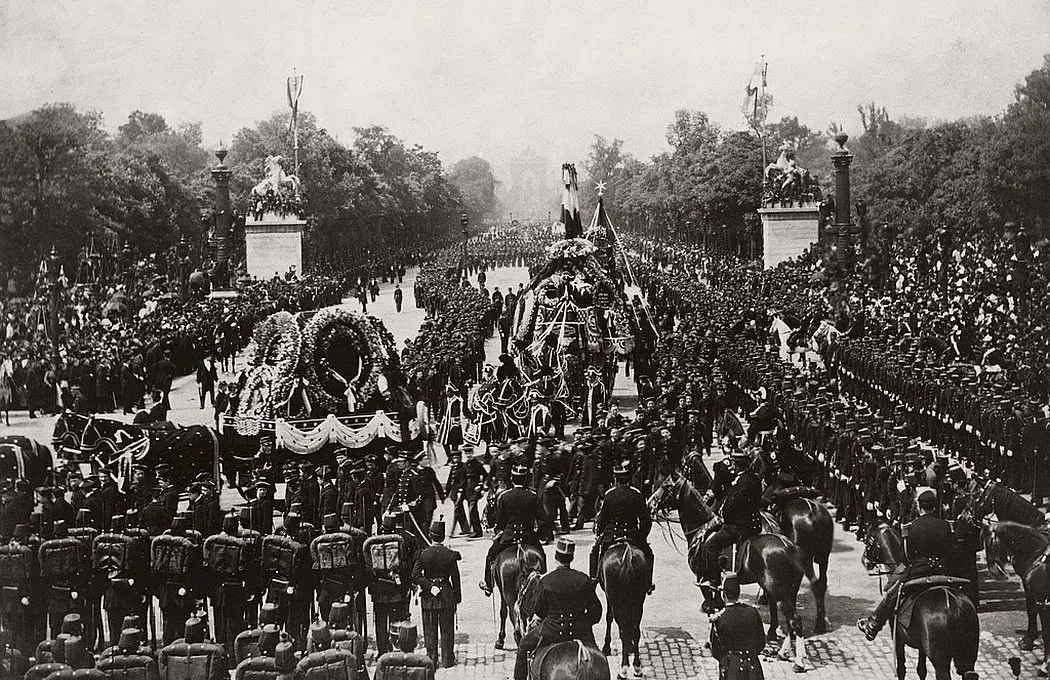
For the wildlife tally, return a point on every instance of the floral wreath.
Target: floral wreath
(255, 402)
(570, 248)
(363, 335)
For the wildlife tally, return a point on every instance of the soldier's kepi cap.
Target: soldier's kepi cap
(437, 530)
(519, 471)
(564, 549)
(621, 468)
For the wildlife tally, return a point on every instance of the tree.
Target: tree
(477, 184)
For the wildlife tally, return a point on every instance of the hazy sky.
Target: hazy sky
(493, 77)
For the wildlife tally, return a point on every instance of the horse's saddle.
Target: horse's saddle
(910, 591)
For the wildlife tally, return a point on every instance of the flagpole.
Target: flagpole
(760, 102)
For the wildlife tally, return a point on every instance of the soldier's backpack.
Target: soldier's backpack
(113, 554)
(331, 664)
(333, 551)
(16, 565)
(282, 556)
(226, 555)
(197, 660)
(61, 558)
(130, 666)
(383, 553)
(172, 556)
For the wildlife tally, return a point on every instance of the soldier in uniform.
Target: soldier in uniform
(390, 583)
(121, 561)
(226, 559)
(204, 506)
(566, 605)
(624, 514)
(62, 561)
(175, 563)
(436, 572)
(18, 570)
(336, 562)
(928, 547)
(737, 635)
(740, 521)
(464, 489)
(519, 515)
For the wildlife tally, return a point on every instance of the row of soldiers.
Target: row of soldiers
(299, 573)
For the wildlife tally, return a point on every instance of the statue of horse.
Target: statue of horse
(276, 179)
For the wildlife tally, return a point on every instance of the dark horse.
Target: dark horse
(562, 660)
(808, 525)
(771, 560)
(943, 625)
(1007, 505)
(621, 573)
(509, 569)
(1026, 549)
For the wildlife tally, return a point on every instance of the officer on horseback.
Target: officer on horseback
(624, 515)
(566, 605)
(928, 546)
(740, 520)
(519, 514)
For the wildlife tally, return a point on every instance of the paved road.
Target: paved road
(674, 629)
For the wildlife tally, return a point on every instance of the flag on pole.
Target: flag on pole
(570, 202)
(752, 92)
(295, 89)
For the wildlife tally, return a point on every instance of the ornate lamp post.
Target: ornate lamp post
(463, 222)
(221, 215)
(53, 280)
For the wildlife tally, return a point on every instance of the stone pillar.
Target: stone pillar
(843, 230)
(222, 213)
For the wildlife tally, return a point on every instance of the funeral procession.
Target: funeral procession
(524, 341)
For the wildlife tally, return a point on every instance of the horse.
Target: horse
(621, 573)
(943, 625)
(562, 660)
(1007, 505)
(508, 569)
(771, 560)
(1027, 550)
(729, 424)
(808, 524)
(276, 178)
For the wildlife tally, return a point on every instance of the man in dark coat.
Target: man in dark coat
(567, 607)
(163, 374)
(928, 546)
(519, 514)
(740, 520)
(399, 296)
(624, 514)
(436, 572)
(206, 378)
(737, 636)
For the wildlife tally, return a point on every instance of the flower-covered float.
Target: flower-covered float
(318, 381)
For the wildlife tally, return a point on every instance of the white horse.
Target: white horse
(276, 178)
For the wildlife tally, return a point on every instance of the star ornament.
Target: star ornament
(600, 186)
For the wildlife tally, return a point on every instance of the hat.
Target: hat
(621, 468)
(284, 658)
(437, 531)
(519, 471)
(194, 631)
(564, 549)
(389, 520)
(72, 624)
(739, 456)
(131, 621)
(269, 613)
(731, 586)
(407, 636)
(339, 613)
(130, 639)
(330, 522)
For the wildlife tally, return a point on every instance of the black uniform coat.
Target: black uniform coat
(519, 508)
(568, 606)
(737, 637)
(624, 513)
(438, 566)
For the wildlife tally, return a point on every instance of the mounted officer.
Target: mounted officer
(519, 515)
(740, 520)
(624, 515)
(928, 548)
(566, 605)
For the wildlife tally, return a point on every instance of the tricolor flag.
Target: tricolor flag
(295, 89)
(570, 202)
(753, 106)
